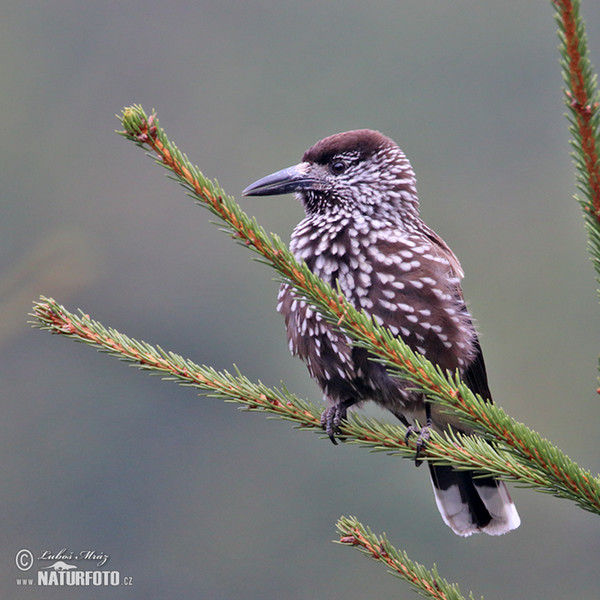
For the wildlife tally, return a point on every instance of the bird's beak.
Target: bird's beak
(286, 181)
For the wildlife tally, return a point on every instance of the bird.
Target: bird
(362, 234)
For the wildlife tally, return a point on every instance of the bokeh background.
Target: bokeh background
(189, 496)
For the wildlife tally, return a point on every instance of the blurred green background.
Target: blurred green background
(188, 496)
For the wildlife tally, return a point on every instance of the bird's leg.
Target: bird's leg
(333, 416)
(423, 434)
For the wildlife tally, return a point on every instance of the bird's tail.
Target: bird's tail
(471, 504)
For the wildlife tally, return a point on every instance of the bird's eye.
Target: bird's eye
(337, 167)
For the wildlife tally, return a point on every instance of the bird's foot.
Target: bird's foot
(331, 420)
(423, 434)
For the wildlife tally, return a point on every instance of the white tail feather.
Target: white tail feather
(457, 513)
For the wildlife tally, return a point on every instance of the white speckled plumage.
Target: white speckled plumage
(363, 233)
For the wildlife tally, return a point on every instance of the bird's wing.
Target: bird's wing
(445, 251)
(475, 375)
(415, 292)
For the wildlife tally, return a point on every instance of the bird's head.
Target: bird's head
(355, 172)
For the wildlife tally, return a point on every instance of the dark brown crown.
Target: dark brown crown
(364, 141)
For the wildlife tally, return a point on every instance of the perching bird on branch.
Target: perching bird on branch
(363, 232)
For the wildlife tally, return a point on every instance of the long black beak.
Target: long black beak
(285, 181)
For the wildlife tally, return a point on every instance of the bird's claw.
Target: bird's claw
(423, 434)
(331, 420)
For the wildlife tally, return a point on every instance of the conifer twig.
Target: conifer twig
(561, 477)
(427, 583)
(582, 100)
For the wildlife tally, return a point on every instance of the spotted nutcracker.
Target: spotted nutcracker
(363, 232)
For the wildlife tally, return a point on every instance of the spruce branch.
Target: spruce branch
(460, 451)
(582, 100)
(426, 582)
(564, 477)
(561, 477)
